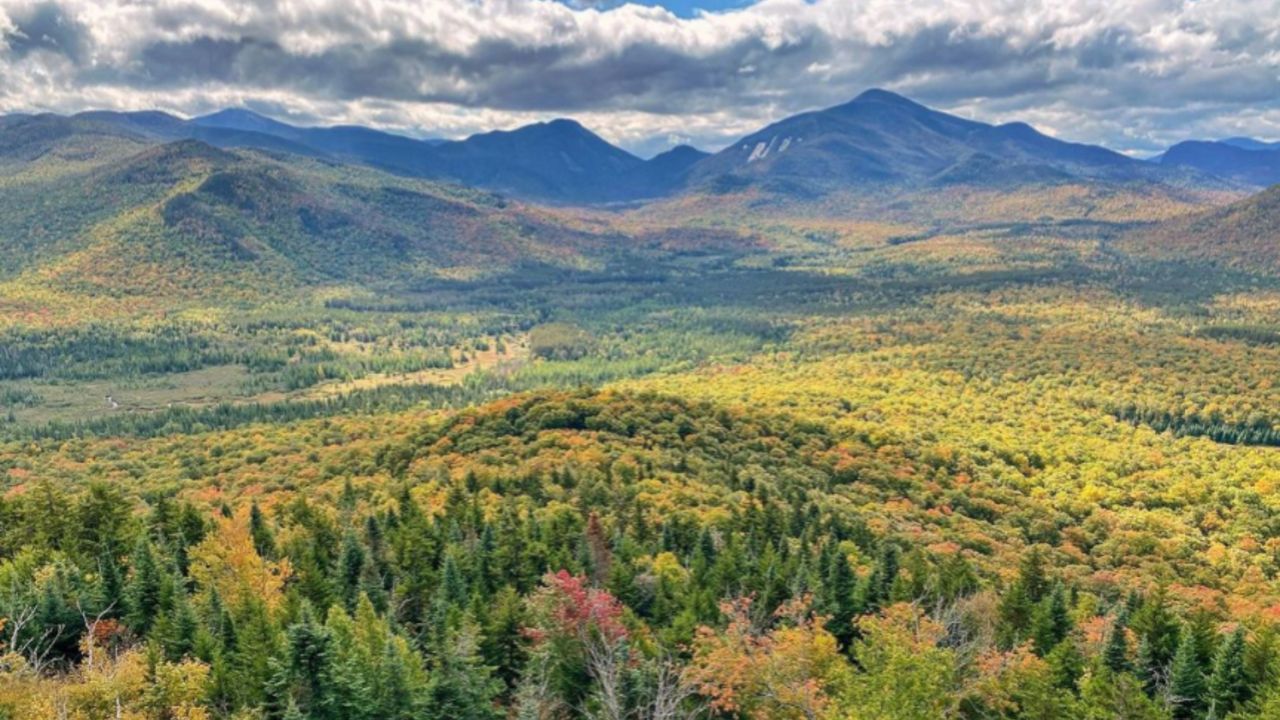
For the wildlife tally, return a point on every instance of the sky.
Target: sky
(1135, 75)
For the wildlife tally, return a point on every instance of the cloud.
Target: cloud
(1135, 75)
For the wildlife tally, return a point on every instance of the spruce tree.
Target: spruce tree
(264, 541)
(1066, 664)
(1186, 679)
(840, 588)
(461, 686)
(144, 589)
(350, 571)
(1228, 686)
(1115, 656)
(1051, 622)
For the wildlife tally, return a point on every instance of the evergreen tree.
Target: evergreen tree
(1115, 656)
(351, 566)
(1155, 624)
(1147, 667)
(143, 591)
(1031, 576)
(1186, 679)
(504, 642)
(264, 541)
(1051, 622)
(1228, 685)
(1014, 616)
(461, 686)
(840, 589)
(1066, 664)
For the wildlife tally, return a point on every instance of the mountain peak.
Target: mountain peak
(880, 95)
(241, 119)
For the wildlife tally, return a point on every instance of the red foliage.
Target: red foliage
(570, 606)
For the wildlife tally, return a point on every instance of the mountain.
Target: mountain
(186, 219)
(557, 160)
(877, 141)
(349, 143)
(1244, 235)
(1250, 143)
(1241, 160)
(881, 138)
(663, 173)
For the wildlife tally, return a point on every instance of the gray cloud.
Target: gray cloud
(1134, 75)
(45, 27)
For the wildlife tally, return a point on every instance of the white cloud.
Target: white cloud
(1132, 74)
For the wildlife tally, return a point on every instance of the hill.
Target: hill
(1251, 162)
(91, 210)
(1244, 235)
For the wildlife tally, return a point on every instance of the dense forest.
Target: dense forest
(272, 448)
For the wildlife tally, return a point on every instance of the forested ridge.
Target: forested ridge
(609, 555)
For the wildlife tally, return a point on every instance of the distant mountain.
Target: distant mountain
(177, 220)
(1239, 159)
(883, 138)
(348, 143)
(1250, 143)
(662, 173)
(1244, 235)
(557, 160)
(878, 140)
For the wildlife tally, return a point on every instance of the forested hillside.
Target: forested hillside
(282, 438)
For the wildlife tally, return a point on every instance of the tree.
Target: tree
(1115, 655)
(461, 686)
(840, 589)
(144, 588)
(351, 565)
(1186, 679)
(264, 542)
(1051, 622)
(1228, 684)
(227, 561)
(905, 674)
(792, 670)
(1066, 664)
(1108, 695)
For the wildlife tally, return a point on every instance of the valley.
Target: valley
(877, 413)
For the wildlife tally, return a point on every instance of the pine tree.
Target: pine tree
(1228, 686)
(1186, 679)
(461, 686)
(1031, 576)
(310, 670)
(1155, 624)
(840, 588)
(1147, 668)
(1051, 621)
(1015, 612)
(264, 541)
(350, 571)
(143, 591)
(504, 641)
(1115, 656)
(879, 587)
(1066, 665)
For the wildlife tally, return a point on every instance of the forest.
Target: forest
(271, 448)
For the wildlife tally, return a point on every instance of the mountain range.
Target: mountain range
(1241, 160)
(878, 140)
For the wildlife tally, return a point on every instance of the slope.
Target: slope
(883, 139)
(1244, 235)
